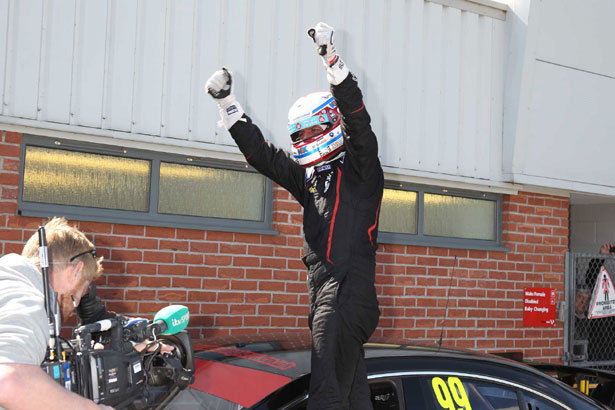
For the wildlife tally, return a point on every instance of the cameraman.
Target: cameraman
(24, 330)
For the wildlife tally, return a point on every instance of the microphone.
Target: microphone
(99, 326)
(169, 321)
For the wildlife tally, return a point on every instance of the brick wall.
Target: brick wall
(235, 283)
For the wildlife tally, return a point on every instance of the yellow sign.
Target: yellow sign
(451, 394)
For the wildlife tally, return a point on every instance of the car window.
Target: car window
(191, 399)
(384, 395)
(534, 402)
(454, 393)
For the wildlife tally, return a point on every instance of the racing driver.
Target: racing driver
(333, 171)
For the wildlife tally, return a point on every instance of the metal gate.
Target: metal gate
(588, 342)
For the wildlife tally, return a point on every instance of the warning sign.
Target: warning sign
(603, 297)
(539, 307)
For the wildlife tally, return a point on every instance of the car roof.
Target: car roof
(288, 353)
(226, 365)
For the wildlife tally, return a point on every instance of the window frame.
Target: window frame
(420, 239)
(151, 217)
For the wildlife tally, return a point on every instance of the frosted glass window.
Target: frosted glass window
(398, 211)
(458, 217)
(76, 178)
(220, 193)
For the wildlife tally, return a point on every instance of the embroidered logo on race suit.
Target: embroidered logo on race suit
(231, 110)
(322, 168)
(328, 182)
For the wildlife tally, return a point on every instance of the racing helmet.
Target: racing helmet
(314, 125)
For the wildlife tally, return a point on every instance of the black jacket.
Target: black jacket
(341, 200)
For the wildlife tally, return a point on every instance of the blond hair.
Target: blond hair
(64, 242)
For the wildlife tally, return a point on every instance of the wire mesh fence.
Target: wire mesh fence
(591, 342)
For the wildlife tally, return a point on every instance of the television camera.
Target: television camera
(100, 361)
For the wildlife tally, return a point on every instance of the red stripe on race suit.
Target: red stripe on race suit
(358, 109)
(240, 385)
(371, 228)
(337, 202)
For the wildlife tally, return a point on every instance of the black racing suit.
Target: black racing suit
(341, 202)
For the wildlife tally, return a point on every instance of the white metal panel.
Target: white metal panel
(570, 126)
(498, 75)
(4, 22)
(259, 82)
(178, 69)
(483, 99)
(429, 73)
(468, 98)
(206, 60)
(89, 63)
(578, 33)
(449, 129)
(24, 52)
(120, 65)
(394, 124)
(408, 145)
(149, 63)
(431, 108)
(56, 70)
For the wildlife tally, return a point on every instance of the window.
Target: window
(110, 184)
(451, 392)
(417, 215)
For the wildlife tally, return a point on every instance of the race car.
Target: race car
(266, 372)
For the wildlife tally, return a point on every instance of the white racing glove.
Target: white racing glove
(322, 35)
(220, 87)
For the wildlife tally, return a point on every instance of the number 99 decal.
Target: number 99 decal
(451, 394)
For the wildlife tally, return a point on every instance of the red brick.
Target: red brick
(216, 284)
(187, 283)
(258, 298)
(200, 296)
(190, 234)
(189, 258)
(271, 286)
(172, 295)
(247, 238)
(257, 321)
(8, 207)
(220, 236)
(142, 243)
(174, 245)
(233, 249)
(155, 282)
(204, 271)
(217, 260)
(283, 321)
(141, 268)
(242, 309)
(270, 310)
(134, 230)
(172, 270)
(140, 294)
(111, 241)
(11, 234)
(122, 280)
(12, 137)
(232, 297)
(258, 250)
(152, 307)
(163, 257)
(235, 273)
(244, 285)
(9, 179)
(204, 247)
(9, 193)
(264, 274)
(159, 232)
(8, 150)
(126, 255)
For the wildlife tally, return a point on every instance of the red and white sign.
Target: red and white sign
(603, 297)
(539, 307)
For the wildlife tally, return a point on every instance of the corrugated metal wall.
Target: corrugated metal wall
(432, 75)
